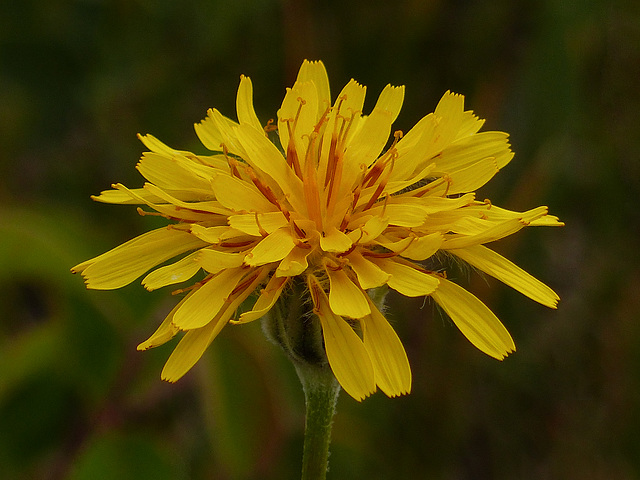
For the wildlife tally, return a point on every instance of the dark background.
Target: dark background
(78, 80)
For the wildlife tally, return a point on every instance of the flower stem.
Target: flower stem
(321, 391)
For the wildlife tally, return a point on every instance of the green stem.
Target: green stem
(292, 324)
(321, 391)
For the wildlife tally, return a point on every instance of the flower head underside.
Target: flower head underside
(333, 199)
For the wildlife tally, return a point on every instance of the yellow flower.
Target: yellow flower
(333, 208)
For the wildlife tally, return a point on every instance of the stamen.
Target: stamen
(232, 162)
(270, 126)
(262, 231)
(299, 232)
(323, 119)
(351, 249)
(333, 177)
(345, 221)
(142, 213)
(447, 179)
(292, 153)
(344, 132)
(264, 189)
(383, 183)
(191, 287)
(310, 182)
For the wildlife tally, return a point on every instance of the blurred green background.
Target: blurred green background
(78, 80)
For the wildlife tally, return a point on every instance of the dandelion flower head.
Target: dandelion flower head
(330, 197)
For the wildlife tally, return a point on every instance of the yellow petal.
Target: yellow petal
(155, 145)
(474, 319)
(346, 298)
(215, 235)
(171, 173)
(140, 196)
(195, 342)
(407, 280)
(390, 362)
(334, 240)
(214, 261)
(165, 332)
(198, 207)
(470, 125)
(294, 263)
(367, 233)
(506, 271)
(346, 353)
(351, 100)
(244, 104)
(122, 265)
(265, 156)
(367, 144)
(229, 131)
(400, 214)
(177, 272)
(172, 211)
(491, 234)
(239, 195)
(298, 113)
(423, 247)
(267, 299)
(369, 274)
(469, 178)
(470, 150)
(215, 130)
(411, 180)
(398, 246)
(430, 205)
(535, 217)
(272, 248)
(207, 301)
(255, 224)
(414, 149)
(316, 73)
(191, 347)
(450, 110)
(391, 100)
